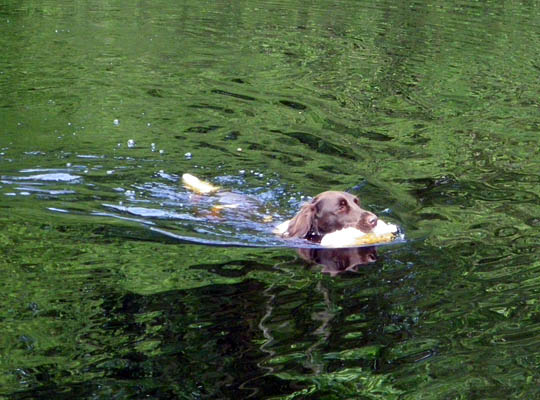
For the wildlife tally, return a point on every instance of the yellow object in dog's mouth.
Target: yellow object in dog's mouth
(382, 233)
(198, 186)
(352, 240)
(351, 237)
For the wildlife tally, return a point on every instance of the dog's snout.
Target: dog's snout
(370, 219)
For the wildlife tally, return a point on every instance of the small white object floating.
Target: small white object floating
(351, 237)
(198, 186)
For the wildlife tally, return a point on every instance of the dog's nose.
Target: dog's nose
(371, 219)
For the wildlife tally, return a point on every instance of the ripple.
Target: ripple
(506, 231)
(235, 95)
(529, 243)
(90, 156)
(535, 221)
(51, 177)
(488, 193)
(151, 212)
(293, 104)
(51, 192)
(60, 210)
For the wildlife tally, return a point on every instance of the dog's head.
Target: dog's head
(329, 212)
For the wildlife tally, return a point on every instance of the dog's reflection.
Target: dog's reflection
(337, 261)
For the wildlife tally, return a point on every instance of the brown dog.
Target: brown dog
(329, 212)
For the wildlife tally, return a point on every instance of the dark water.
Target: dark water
(428, 111)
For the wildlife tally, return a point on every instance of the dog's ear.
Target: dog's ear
(303, 222)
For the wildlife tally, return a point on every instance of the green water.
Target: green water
(428, 111)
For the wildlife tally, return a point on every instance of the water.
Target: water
(427, 111)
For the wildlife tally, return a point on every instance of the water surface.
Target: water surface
(427, 111)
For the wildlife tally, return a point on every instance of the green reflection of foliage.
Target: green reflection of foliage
(432, 106)
(353, 382)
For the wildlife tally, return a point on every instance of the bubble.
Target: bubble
(153, 146)
(131, 143)
(116, 122)
(162, 152)
(239, 149)
(188, 156)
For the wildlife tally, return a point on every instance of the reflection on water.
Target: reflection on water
(337, 261)
(428, 112)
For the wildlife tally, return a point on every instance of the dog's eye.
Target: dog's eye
(342, 203)
(356, 201)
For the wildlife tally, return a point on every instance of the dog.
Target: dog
(328, 212)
